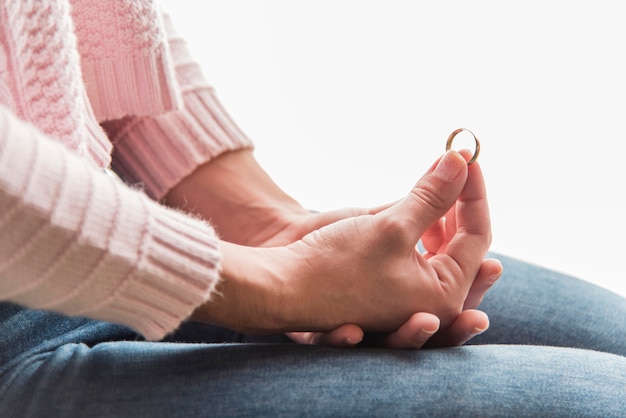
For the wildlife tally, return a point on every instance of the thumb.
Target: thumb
(433, 195)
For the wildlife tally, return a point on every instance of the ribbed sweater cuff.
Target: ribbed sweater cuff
(177, 271)
(131, 84)
(77, 241)
(158, 152)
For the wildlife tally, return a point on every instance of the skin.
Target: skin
(329, 278)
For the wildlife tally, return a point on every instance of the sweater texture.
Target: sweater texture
(84, 85)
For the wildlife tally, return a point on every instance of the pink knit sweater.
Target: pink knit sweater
(73, 238)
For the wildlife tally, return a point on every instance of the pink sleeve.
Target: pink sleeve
(157, 152)
(80, 242)
(124, 57)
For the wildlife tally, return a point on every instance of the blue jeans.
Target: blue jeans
(556, 347)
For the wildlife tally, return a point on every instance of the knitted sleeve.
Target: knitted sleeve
(80, 242)
(157, 152)
(124, 57)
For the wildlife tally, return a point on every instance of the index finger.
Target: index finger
(470, 243)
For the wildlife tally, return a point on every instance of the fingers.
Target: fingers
(466, 326)
(472, 231)
(375, 210)
(432, 196)
(345, 336)
(414, 333)
(490, 271)
(421, 329)
(468, 229)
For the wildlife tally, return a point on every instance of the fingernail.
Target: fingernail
(496, 277)
(478, 331)
(350, 341)
(315, 339)
(493, 279)
(423, 335)
(448, 169)
(475, 333)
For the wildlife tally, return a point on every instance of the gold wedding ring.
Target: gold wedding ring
(458, 131)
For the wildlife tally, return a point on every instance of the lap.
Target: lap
(534, 305)
(165, 379)
(99, 369)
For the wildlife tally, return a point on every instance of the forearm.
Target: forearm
(237, 196)
(77, 241)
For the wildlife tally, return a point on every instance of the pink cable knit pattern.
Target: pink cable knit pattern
(127, 52)
(41, 36)
(127, 29)
(74, 239)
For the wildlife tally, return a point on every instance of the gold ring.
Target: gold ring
(455, 133)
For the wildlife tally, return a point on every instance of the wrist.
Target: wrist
(252, 295)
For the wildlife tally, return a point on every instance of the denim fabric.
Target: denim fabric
(556, 347)
(532, 305)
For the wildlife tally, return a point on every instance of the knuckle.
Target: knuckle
(396, 229)
(427, 194)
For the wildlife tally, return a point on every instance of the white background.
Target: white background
(349, 102)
